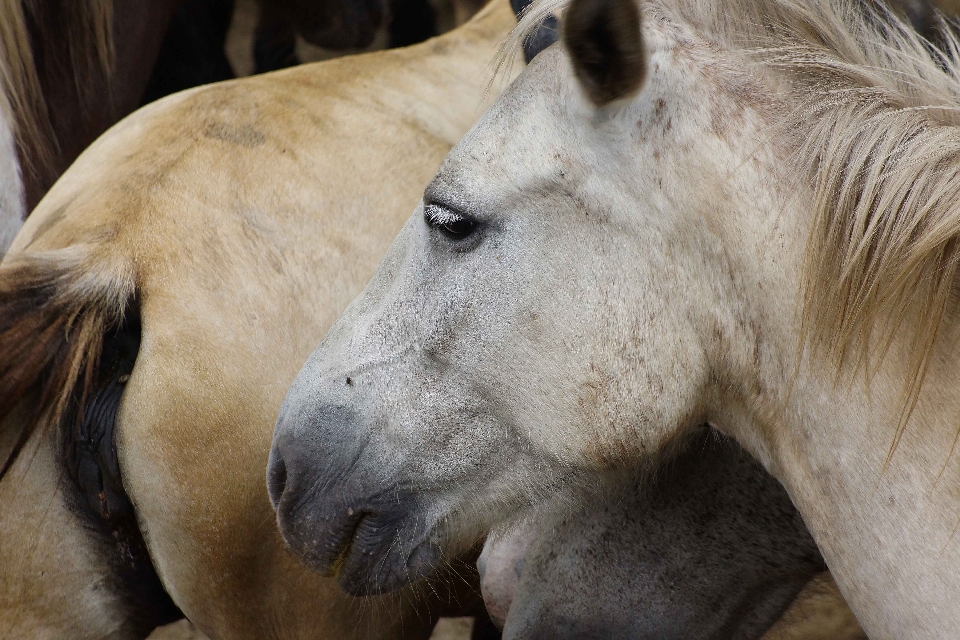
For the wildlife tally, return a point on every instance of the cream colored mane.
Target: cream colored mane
(89, 41)
(876, 121)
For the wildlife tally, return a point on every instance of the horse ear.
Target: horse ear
(606, 47)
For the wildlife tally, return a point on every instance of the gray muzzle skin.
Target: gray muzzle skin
(337, 516)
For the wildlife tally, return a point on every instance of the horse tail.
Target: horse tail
(21, 97)
(56, 308)
(80, 31)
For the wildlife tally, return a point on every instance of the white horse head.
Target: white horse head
(719, 217)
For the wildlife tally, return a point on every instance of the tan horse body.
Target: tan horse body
(243, 217)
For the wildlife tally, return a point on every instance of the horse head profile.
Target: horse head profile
(741, 214)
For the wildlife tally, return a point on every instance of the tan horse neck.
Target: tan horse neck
(885, 523)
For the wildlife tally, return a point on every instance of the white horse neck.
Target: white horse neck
(886, 523)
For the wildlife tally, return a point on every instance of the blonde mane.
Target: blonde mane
(877, 126)
(87, 29)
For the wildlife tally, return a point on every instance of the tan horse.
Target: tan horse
(232, 223)
(744, 213)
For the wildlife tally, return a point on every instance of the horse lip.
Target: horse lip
(357, 579)
(327, 554)
(330, 556)
(346, 545)
(366, 556)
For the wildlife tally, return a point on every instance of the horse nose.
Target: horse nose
(313, 438)
(276, 476)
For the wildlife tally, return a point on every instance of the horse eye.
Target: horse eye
(455, 226)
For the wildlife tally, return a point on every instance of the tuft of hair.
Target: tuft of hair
(82, 27)
(55, 308)
(877, 121)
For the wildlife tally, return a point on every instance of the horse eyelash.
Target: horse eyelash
(437, 215)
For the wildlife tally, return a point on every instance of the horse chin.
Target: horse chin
(369, 551)
(373, 567)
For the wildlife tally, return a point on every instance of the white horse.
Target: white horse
(742, 213)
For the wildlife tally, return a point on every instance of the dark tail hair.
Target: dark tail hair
(55, 308)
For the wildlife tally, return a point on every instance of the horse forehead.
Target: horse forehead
(517, 134)
(542, 122)
(545, 99)
(531, 102)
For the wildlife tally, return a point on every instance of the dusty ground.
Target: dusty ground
(817, 614)
(446, 629)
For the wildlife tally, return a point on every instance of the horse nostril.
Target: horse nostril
(276, 478)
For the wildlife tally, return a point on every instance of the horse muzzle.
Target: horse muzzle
(340, 513)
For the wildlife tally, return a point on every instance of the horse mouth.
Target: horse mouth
(346, 546)
(357, 553)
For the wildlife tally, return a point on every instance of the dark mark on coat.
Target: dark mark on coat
(245, 135)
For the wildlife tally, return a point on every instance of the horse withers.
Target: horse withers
(736, 213)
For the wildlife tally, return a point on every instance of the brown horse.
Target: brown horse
(192, 257)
